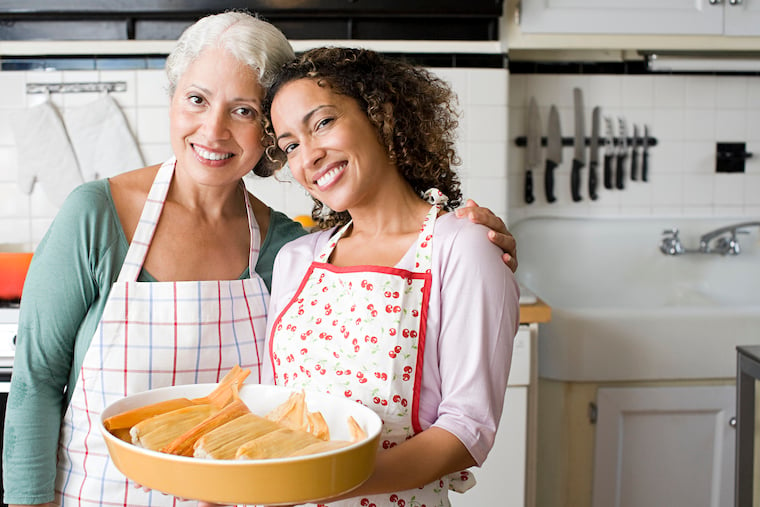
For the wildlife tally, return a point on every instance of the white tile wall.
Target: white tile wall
(482, 141)
(687, 115)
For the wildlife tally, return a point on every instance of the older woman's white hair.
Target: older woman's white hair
(252, 41)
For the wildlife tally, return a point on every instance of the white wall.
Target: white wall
(25, 218)
(687, 115)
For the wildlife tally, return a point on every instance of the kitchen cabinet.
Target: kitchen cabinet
(632, 444)
(647, 17)
(664, 446)
(505, 478)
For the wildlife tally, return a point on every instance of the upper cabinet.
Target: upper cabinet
(642, 17)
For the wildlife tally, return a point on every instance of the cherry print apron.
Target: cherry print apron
(154, 335)
(360, 332)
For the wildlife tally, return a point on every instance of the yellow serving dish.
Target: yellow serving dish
(269, 482)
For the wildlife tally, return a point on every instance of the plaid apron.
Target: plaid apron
(154, 335)
(359, 332)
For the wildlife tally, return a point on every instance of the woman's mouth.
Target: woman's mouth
(327, 178)
(210, 155)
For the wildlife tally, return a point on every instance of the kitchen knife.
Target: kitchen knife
(593, 158)
(635, 153)
(622, 154)
(533, 148)
(645, 156)
(553, 152)
(609, 152)
(579, 158)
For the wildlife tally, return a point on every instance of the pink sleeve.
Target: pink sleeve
(479, 317)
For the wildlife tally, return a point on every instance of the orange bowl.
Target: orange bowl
(283, 481)
(13, 268)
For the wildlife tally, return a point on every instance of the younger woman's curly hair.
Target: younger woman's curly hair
(412, 110)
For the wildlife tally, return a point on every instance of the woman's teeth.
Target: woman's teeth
(330, 175)
(211, 155)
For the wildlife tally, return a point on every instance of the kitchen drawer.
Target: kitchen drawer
(520, 373)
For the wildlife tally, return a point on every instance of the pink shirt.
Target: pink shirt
(472, 320)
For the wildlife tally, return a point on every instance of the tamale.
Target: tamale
(223, 442)
(183, 444)
(292, 412)
(220, 396)
(321, 446)
(156, 432)
(276, 444)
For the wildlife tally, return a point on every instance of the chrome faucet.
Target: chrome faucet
(671, 243)
(726, 243)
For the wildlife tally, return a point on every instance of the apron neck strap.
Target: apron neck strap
(146, 227)
(424, 240)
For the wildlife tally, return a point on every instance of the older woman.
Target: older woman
(152, 278)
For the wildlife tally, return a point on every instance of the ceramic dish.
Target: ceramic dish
(269, 482)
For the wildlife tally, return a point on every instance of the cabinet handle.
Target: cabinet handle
(732, 422)
(715, 2)
(735, 2)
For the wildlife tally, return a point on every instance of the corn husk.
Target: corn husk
(184, 444)
(219, 397)
(321, 446)
(276, 444)
(156, 432)
(224, 441)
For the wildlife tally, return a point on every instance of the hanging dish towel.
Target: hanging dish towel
(44, 152)
(102, 140)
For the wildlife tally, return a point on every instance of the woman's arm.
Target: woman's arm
(499, 234)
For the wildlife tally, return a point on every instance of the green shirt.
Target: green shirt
(66, 289)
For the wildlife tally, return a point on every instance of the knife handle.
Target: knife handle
(620, 172)
(575, 180)
(529, 198)
(634, 164)
(593, 182)
(645, 166)
(608, 171)
(549, 180)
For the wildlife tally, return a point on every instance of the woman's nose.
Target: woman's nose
(312, 153)
(215, 124)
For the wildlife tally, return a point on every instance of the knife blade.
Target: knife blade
(622, 153)
(553, 152)
(579, 158)
(593, 158)
(635, 153)
(645, 156)
(609, 152)
(533, 148)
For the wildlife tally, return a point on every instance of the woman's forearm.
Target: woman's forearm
(426, 457)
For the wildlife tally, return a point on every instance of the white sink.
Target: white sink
(622, 310)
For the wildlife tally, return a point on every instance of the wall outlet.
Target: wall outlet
(730, 157)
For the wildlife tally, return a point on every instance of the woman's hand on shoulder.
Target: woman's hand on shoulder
(499, 234)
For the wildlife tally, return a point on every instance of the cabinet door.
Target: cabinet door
(743, 18)
(672, 17)
(664, 446)
(501, 479)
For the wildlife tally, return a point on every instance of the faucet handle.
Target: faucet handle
(673, 232)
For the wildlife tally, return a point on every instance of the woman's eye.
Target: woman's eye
(324, 122)
(288, 148)
(247, 112)
(195, 99)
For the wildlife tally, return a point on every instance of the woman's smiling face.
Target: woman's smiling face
(332, 148)
(215, 119)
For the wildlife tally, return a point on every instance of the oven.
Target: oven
(8, 327)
